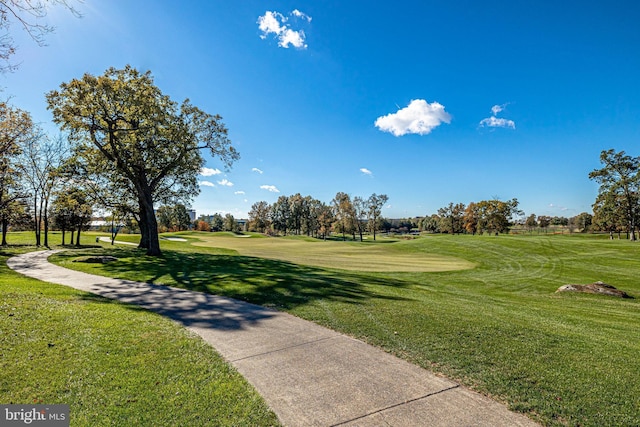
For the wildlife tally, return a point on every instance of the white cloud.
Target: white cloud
(226, 183)
(290, 37)
(497, 108)
(276, 23)
(209, 172)
(256, 170)
(301, 15)
(271, 188)
(494, 122)
(206, 184)
(366, 171)
(419, 117)
(270, 23)
(239, 192)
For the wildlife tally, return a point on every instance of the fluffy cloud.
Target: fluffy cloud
(276, 23)
(366, 171)
(239, 192)
(419, 117)
(256, 170)
(206, 184)
(495, 122)
(271, 188)
(209, 172)
(226, 183)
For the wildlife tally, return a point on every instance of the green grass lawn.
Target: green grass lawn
(112, 363)
(500, 328)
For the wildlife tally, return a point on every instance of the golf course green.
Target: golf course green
(482, 310)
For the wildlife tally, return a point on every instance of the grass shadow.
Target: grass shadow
(261, 281)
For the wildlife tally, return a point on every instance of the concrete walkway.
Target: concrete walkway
(309, 375)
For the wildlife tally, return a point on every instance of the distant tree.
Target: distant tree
(430, 224)
(173, 217)
(344, 214)
(311, 224)
(375, 203)
(202, 225)
(619, 178)
(123, 119)
(326, 219)
(230, 223)
(360, 210)
(560, 220)
(531, 222)
(452, 217)
(497, 216)
(544, 221)
(580, 222)
(281, 215)
(471, 218)
(259, 216)
(217, 222)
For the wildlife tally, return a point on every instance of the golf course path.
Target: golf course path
(309, 375)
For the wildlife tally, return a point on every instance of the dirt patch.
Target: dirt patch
(599, 288)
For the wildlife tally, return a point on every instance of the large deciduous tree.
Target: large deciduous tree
(619, 180)
(150, 141)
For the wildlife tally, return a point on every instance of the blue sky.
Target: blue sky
(429, 102)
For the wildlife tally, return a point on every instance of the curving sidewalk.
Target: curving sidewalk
(309, 375)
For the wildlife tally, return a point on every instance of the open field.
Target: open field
(355, 256)
(112, 363)
(500, 328)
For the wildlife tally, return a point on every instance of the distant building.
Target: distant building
(192, 214)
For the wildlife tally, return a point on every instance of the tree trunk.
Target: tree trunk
(63, 231)
(5, 224)
(46, 224)
(143, 224)
(36, 219)
(146, 203)
(78, 235)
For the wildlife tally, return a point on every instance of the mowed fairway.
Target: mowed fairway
(500, 327)
(354, 256)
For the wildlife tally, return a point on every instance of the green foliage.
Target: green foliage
(618, 202)
(173, 218)
(122, 124)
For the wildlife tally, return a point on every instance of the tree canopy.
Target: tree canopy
(122, 122)
(619, 191)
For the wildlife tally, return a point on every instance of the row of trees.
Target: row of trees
(32, 180)
(490, 216)
(299, 214)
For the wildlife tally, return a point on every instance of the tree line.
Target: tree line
(297, 214)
